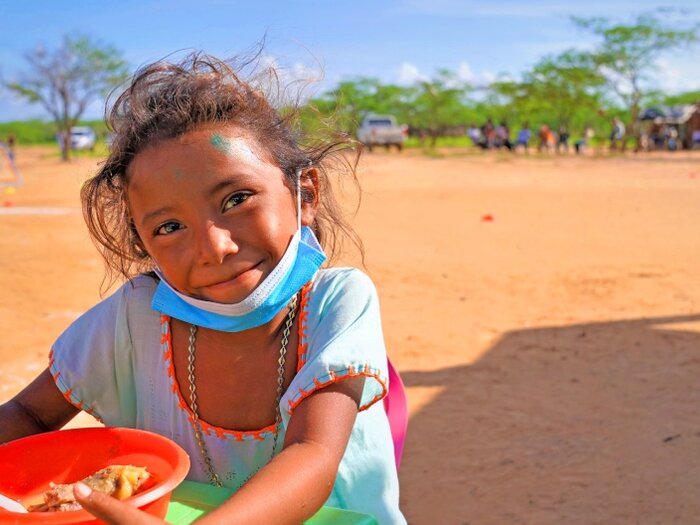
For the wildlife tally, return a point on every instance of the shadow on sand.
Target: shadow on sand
(587, 423)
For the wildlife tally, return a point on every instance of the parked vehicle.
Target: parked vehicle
(82, 137)
(381, 130)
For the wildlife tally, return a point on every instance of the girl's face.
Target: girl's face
(212, 212)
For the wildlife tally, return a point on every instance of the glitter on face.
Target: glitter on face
(236, 146)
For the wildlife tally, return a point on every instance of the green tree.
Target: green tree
(438, 103)
(67, 80)
(566, 85)
(561, 90)
(689, 97)
(350, 101)
(627, 54)
(391, 99)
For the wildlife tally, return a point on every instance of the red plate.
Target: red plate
(28, 465)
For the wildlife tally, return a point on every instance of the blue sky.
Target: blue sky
(394, 40)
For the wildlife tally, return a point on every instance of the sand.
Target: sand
(544, 314)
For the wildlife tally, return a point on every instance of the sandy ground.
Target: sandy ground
(550, 354)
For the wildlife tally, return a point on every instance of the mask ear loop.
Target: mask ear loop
(298, 183)
(299, 199)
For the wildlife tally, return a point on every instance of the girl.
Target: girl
(227, 337)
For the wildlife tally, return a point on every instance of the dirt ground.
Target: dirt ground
(544, 314)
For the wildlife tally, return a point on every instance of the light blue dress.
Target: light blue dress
(115, 362)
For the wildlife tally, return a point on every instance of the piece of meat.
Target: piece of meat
(61, 507)
(118, 481)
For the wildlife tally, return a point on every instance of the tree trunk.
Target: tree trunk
(433, 138)
(636, 128)
(632, 130)
(65, 144)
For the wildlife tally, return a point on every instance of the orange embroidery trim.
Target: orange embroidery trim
(303, 346)
(223, 433)
(66, 391)
(212, 430)
(335, 377)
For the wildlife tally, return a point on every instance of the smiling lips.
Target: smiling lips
(236, 279)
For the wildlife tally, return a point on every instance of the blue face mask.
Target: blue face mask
(302, 259)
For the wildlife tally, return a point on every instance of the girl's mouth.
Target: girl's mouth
(250, 276)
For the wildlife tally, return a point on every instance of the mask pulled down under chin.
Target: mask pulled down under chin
(302, 259)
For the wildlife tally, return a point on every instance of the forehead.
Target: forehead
(208, 147)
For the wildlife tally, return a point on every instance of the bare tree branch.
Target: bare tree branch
(67, 80)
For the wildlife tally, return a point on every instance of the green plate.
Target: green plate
(192, 500)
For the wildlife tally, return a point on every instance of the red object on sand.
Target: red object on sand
(487, 218)
(8, 204)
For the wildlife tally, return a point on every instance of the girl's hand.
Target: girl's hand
(111, 510)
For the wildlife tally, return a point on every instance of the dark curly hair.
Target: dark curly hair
(165, 100)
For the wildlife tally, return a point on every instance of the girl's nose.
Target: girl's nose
(216, 244)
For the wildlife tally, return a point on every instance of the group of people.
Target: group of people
(662, 136)
(490, 136)
(658, 136)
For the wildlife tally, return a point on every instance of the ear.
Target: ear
(310, 196)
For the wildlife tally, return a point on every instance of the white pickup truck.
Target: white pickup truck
(381, 130)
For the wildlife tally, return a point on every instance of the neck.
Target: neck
(259, 336)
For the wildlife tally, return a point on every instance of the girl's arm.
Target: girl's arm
(40, 407)
(293, 486)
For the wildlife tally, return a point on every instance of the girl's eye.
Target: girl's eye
(235, 200)
(168, 227)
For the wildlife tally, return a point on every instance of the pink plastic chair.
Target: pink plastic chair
(396, 407)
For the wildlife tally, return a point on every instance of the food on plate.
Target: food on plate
(118, 481)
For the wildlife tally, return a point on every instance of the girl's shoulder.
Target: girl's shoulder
(339, 295)
(138, 289)
(132, 297)
(342, 288)
(142, 282)
(333, 281)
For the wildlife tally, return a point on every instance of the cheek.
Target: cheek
(168, 258)
(273, 233)
(174, 266)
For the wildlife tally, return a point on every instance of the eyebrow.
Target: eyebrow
(152, 214)
(216, 188)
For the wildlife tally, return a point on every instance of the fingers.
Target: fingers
(110, 510)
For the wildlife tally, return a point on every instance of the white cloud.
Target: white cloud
(674, 76)
(669, 75)
(488, 76)
(291, 72)
(410, 74)
(465, 73)
(286, 83)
